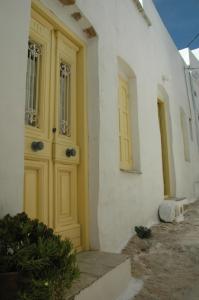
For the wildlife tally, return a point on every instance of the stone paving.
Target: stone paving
(168, 262)
(93, 265)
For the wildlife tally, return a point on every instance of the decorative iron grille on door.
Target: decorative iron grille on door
(33, 84)
(65, 99)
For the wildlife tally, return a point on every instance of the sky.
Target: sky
(181, 17)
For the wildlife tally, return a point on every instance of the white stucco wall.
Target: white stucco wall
(196, 53)
(192, 77)
(118, 200)
(14, 20)
(126, 200)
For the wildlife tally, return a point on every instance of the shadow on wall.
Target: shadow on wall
(93, 143)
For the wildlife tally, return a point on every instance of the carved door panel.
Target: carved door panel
(36, 189)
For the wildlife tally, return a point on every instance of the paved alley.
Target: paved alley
(168, 262)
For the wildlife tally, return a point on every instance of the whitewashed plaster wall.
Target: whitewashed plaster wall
(14, 26)
(192, 79)
(127, 199)
(118, 200)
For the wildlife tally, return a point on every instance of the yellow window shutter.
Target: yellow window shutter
(126, 162)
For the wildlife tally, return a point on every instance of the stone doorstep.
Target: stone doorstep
(95, 265)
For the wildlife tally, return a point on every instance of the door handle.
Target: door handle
(70, 152)
(37, 146)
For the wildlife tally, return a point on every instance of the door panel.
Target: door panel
(65, 196)
(36, 174)
(36, 189)
(66, 219)
(72, 233)
(60, 153)
(65, 148)
(44, 153)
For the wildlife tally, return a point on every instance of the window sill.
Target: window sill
(132, 171)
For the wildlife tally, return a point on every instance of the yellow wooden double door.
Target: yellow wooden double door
(164, 147)
(51, 151)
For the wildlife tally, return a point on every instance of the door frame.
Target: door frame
(162, 117)
(82, 127)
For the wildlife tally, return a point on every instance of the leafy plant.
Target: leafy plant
(143, 232)
(47, 263)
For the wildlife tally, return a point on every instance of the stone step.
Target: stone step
(103, 276)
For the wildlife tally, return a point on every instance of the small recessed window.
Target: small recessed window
(129, 145)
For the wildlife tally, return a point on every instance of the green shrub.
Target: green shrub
(47, 263)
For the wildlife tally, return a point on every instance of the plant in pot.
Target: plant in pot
(35, 264)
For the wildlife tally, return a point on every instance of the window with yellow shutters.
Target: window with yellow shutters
(126, 162)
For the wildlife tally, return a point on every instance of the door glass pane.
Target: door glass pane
(33, 84)
(65, 100)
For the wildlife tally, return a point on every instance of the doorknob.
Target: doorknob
(37, 146)
(70, 152)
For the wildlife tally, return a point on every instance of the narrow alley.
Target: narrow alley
(168, 262)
